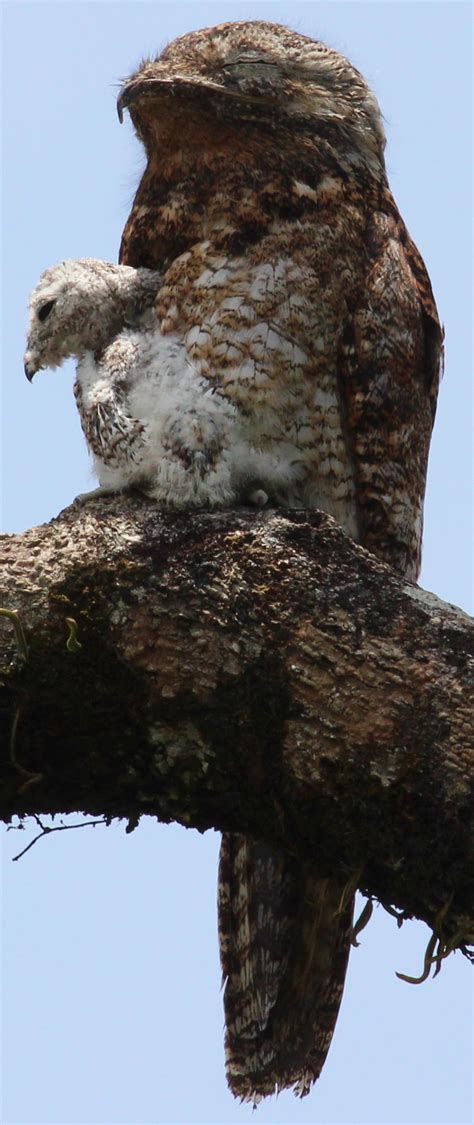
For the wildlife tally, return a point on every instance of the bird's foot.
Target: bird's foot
(258, 498)
(94, 494)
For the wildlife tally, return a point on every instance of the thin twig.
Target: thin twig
(362, 921)
(31, 778)
(13, 616)
(46, 831)
(72, 643)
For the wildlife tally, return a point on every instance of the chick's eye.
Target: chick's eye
(44, 310)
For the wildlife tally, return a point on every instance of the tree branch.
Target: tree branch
(250, 672)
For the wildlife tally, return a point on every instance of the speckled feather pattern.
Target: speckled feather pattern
(292, 292)
(150, 419)
(289, 274)
(287, 268)
(284, 952)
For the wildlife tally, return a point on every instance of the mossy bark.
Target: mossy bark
(255, 672)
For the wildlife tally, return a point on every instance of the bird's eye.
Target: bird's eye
(44, 310)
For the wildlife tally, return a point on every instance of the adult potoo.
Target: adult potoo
(294, 284)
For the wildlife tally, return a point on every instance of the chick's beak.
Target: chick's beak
(30, 367)
(121, 104)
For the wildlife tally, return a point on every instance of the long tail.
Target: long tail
(284, 947)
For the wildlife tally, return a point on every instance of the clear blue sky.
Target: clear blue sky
(111, 1007)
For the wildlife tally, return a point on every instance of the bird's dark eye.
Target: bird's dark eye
(44, 310)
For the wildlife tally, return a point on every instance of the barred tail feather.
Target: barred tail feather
(284, 950)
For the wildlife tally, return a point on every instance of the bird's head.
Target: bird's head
(255, 72)
(74, 308)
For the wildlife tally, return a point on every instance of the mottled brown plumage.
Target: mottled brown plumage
(284, 949)
(290, 275)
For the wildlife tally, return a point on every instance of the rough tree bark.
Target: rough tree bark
(248, 671)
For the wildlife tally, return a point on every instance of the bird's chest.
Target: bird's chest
(265, 327)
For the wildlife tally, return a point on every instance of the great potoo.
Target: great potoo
(299, 295)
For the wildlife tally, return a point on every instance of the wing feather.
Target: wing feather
(390, 368)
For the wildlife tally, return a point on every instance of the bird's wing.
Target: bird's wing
(390, 366)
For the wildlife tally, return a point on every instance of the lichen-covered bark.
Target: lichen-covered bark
(248, 671)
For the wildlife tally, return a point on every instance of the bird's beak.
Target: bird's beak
(179, 84)
(30, 367)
